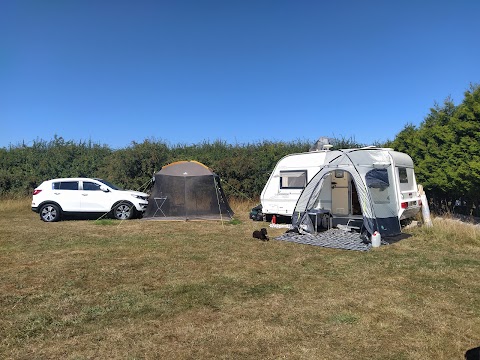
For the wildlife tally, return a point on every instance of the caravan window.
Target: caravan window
(293, 179)
(402, 174)
(406, 177)
(339, 174)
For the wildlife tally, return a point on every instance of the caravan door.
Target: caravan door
(340, 192)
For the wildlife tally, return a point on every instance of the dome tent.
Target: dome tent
(187, 190)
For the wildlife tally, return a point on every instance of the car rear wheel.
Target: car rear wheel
(124, 211)
(50, 213)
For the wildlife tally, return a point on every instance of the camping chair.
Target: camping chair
(159, 201)
(352, 225)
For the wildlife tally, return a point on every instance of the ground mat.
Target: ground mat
(333, 238)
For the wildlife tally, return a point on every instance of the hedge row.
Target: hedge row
(244, 169)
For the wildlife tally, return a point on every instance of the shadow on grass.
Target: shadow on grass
(394, 239)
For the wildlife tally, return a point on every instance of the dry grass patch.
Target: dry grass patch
(149, 289)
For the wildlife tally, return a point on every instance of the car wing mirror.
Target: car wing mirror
(104, 188)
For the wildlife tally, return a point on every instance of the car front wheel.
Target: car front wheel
(50, 213)
(123, 211)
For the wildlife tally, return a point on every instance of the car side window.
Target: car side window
(65, 185)
(90, 186)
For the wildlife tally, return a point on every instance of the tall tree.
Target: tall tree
(445, 148)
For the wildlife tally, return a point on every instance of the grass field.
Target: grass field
(138, 289)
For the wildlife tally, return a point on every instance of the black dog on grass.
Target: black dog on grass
(261, 234)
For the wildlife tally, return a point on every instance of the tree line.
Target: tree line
(445, 148)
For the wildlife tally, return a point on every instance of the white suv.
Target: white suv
(83, 195)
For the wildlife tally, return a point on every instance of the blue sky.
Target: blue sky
(188, 71)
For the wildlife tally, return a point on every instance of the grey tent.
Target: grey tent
(187, 190)
(367, 178)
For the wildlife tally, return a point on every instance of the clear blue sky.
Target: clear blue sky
(188, 71)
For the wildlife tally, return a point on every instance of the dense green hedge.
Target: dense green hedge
(244, 169)
(445, 148)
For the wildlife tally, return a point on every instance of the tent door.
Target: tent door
(341, 193)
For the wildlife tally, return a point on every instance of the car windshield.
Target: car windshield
(114, 187)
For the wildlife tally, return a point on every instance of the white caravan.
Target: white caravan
(287, 181)
(293, 172)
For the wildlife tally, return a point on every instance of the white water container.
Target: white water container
(376, 239)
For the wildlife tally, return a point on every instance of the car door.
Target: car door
(93, 199)
(67, 195)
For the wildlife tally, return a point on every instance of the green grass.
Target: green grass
(344, 318)
(106, 222)
(147, 289)
(235, 221)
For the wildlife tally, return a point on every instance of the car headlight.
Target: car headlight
(139, 197)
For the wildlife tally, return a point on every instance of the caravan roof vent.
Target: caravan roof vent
(320, 144)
